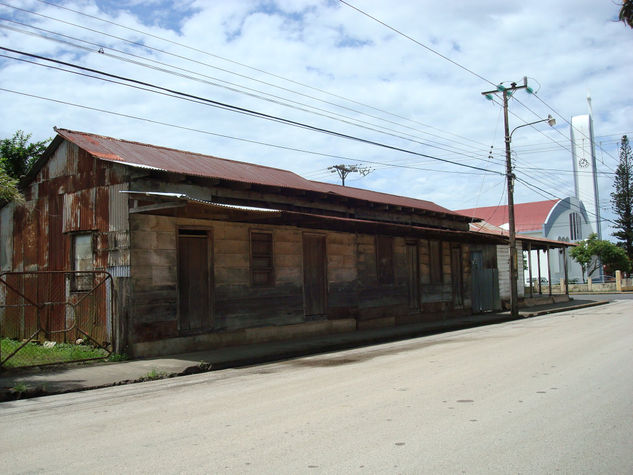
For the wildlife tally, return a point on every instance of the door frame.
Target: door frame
(324, 289)
(211, 279)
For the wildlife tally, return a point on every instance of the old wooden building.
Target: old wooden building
(207, 252)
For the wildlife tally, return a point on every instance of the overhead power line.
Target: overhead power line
(460, 66)
(271, 98)
(250, 112)
(215, 134)
(206, 53)
(428, 48)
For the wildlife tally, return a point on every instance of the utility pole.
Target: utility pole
(514, 270)
(344, 170)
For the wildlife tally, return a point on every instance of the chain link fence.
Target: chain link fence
(52, 317)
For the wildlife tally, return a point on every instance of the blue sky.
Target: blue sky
(327, 65)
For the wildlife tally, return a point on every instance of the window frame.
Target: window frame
(81, 282)
(256, 256)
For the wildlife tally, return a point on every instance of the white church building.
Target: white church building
(569, 219)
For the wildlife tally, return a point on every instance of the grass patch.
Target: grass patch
(34, 353)
(154, 375)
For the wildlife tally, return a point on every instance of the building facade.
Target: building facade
(206, 252)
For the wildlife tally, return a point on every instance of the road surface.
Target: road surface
(541, 395)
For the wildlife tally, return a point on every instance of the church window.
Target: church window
(575, 227)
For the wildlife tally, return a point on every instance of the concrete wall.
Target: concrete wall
(503, 261)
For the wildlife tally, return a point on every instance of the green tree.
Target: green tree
(9, 189)
(626, 12)
(17, 154)
(593, 251)
(622, 198)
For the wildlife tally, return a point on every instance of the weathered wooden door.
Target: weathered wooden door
(314, 275)
(457, 277)
(414, 276)
(194, 280)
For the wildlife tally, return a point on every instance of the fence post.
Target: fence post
(121, 301)
(618, 280)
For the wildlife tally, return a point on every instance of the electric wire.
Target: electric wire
(250, 112)
(428, 48)
(233, 72)
(192, 129)
(451, 61)
(275, 99)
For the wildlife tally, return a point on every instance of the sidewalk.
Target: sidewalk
(35, 382)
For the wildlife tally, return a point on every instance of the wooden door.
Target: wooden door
(457, 277)
(194, 280)
(414, 276)
(314, 275)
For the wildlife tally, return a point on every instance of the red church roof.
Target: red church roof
(529, 217)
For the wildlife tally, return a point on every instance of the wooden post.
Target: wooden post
(589, 285)
(549, 272)
(566, 276)
(538, 263)
(530, 268)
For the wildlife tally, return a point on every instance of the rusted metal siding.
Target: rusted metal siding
(6, 236)
(70, 194)
(118, 208)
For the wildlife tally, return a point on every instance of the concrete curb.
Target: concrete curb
(564, 309)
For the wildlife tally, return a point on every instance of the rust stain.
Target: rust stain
(102, 208)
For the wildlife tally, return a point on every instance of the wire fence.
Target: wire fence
(50, 317)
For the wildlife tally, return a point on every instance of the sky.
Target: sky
(401, 81)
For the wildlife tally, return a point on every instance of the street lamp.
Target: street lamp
(514, 274)
(550, 121)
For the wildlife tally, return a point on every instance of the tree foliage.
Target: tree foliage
(9, 189)
(622, 198)
(626, 12)
(17, 156)
(590, 252)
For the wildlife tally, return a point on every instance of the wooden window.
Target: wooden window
(384, 259)
(435, 262)
(262, 259)
(82, 260)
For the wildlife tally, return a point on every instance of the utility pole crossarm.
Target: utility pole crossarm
(344, 170)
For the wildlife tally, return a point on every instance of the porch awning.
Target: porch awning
(182, 206)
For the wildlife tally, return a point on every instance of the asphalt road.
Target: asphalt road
(541, 395)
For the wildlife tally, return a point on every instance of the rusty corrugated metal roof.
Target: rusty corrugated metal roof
(386, 198)
(188, 163)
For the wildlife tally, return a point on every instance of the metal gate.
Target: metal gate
(48, 308)
(485, 285)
